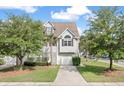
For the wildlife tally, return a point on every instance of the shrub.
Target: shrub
(41, 63)
(1, 62)
(76, 61)
(38, 63)
(29, 63)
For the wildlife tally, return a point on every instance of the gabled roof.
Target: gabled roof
(60, 27)
(71, 32)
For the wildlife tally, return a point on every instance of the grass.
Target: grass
(40, 74)
(92, 71)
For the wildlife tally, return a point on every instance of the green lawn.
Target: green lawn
(38, 74)
(93, 71)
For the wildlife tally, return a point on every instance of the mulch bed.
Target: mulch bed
(114, 73)
(14, 73)
(22, 72)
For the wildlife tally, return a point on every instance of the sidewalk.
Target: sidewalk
(25, 83)
(106, 84)
(62, 84)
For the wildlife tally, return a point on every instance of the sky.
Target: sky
(77, 14)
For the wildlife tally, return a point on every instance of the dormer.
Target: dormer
(49, 28)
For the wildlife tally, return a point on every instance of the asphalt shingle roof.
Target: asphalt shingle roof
(61, 27)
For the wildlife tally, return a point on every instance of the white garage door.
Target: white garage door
(65, 60)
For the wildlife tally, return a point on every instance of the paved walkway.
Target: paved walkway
(69, 75)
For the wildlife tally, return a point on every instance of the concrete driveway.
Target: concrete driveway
(69, 75)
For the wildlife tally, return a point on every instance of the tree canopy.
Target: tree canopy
(105, 34)
(20, 35)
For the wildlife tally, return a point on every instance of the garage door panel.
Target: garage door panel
(66, 60)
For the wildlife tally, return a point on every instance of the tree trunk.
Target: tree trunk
(111, 62)
(21, 65)
(20, 62)
(17, 61)
(86, 56)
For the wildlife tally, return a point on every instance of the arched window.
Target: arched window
(67, 36)
(67, 41)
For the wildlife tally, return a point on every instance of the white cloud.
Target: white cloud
(78, 10)
(64, 16)
(27, 9)
(79, 30)
(71, 13)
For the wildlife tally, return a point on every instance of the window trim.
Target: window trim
(67, 41)
(49, 30)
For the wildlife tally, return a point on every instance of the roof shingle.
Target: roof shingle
(61, 27)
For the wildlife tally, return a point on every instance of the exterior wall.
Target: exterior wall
(48, 25)
(62, 55)
(47, 53)
(9, 60)
(65, 53)
(54, 55)
(68, 49)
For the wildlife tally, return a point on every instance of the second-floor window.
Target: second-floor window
(49, 30)
(67, 41)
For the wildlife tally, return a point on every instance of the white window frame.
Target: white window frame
(49, 30)
(65, 41)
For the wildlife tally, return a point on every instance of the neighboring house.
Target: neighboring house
(66, 42)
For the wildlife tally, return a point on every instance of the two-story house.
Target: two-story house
(66, 42)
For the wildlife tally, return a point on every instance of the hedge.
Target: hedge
(76, 61)
(29, 63)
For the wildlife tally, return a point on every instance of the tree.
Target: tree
(107, 31)
(85, 43)
(20, 36)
